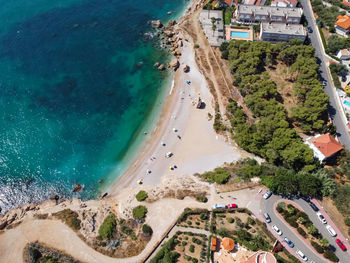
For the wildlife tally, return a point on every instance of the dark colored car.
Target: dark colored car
(309, 28)
(313, 206)
(340, 244)
(290, 243)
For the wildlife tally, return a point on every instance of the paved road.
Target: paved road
(268, 206)
(334, 110)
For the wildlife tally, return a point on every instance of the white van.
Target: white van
(301, 255)
(331, 231)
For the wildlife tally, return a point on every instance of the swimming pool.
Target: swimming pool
(241, 34)
(347, 103)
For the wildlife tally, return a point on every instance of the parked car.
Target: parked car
(305, 198)
(324, 83)
(278, 231)
(301, 255)
(331, 231)
(219, 206)
(232, 206)
(267, 194)
(313, 206)
(267, 217)
(290, 243)
(309, 28)
(340, 244)
(321, 218)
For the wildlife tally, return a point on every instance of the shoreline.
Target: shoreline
(178, 112)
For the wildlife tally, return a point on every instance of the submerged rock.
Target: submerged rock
(77, 188)
(171, 23)
(156, 24)
(156, 65)
(161, 67)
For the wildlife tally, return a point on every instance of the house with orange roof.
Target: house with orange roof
(346, 2)
(324, 146)
(342, 25)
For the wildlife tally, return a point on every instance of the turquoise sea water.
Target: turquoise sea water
(76, 85)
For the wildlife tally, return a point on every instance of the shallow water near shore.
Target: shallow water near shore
(77, 84)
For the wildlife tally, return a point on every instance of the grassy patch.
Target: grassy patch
(69, 217)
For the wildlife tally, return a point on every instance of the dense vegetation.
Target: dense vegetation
(107, 228)
(273, 137)
(326, 15)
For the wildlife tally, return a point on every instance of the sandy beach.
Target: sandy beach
(196, 147)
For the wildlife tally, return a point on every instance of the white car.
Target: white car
(324, 83)
(301, 255)
(267, 194)
(331, 231)
(321, 218)
(278, 231)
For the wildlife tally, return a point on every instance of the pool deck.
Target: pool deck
(229, 37)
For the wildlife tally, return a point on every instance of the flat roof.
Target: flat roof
(282, 28)
(272, 10)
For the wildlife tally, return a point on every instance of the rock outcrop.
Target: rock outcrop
(161, 67)
(77, 188)
(174, 64)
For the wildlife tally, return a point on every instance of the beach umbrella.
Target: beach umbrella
(148, 171)
(139, 181)
(162, 143)
(174, 129)
(175, 166)
(170, 167)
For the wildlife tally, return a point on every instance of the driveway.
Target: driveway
(290, 232)
(334, 109)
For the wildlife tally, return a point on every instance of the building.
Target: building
(324, 146)
(227, 3)
(213, 31)
(346, 2)
(343, 54)
(284, 3)
(256, 14)
(261, 257)
(277, 32)
(342, 25)
(228, 244)
(254, 2)
(213, 244)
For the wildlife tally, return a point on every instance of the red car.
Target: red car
(340, 244)
(232, 206)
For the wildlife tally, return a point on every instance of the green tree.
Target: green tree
(108, 227)
(141, 196)
(139, 212)
(324, 242)
(312, 229)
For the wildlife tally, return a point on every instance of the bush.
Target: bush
(69, 217)
(329, 254)
(347, 221)
(147, 229)
(107, 229)
(139, 212)
(196, 45)
(191, 249)
(183, 243)
(292, 222)
(318, 248)
(230, 220)
(202, 198)
(219, 176)
(302, 232)
(280, 209)
(203, 216)
(141, 196)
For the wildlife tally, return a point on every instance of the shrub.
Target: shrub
(280, 209)
(196, 45)
(139, 212)
(69, 217)
(147, 229)
(107, 228)
(141, 196)
(318, 248)
(292, 222)
(282, 205)
(230, 220)
(196, 241)
(347, 221)
(219, 176)
(301, 232)
(202, 198)
(329, 254)
(194, 260)
(203, 216)
(183, 243)
(191, 249)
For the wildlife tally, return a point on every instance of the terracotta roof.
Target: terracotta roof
(346, 3)
(213, 244)
(228, 2)
(327, 145)
(343, 21)
(228, 244)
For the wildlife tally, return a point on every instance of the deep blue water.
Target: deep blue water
(76, 86)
